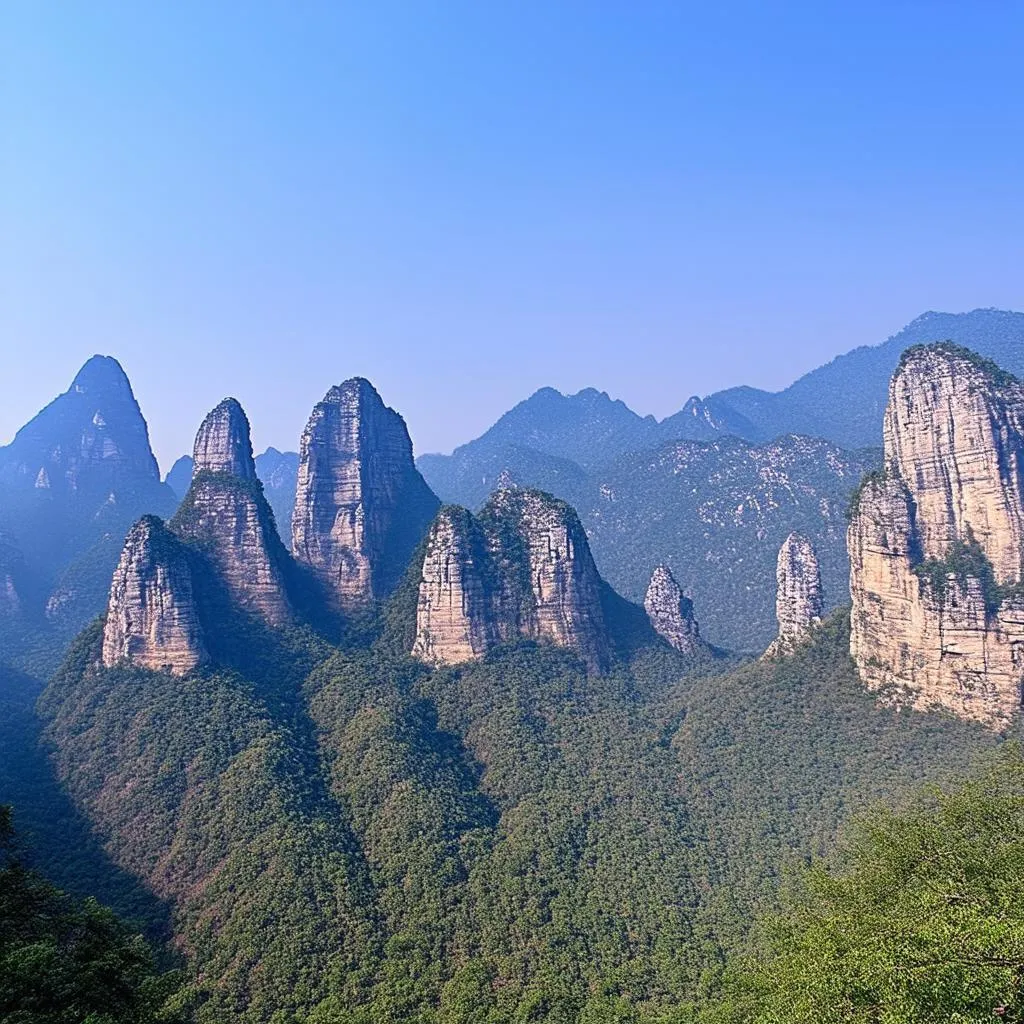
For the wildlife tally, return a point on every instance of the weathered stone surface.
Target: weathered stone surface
(151, 615)
(223, 444)
(671, 612)
(928, 629)
(954, 431)
(523, 568)
(361, 506)
(798, 601)
(226, 516)
(456, 617)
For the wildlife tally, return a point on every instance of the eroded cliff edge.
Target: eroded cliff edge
(936, 541)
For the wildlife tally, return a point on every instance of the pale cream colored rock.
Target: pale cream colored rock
(361, 506)
(798, 601)
(225, 516)
(151, 614)
(455, 616)
(522, 569)
(953, 445)
(671, 613)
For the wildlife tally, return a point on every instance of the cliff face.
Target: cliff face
(936, 541)
(151, 616)
(227, 517)
(361, 506)
(455, 615)
(523, 568)
(671, 613)
(798, 600)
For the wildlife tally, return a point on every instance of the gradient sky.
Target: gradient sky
(467, 201)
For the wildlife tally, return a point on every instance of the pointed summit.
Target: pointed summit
(361, 506)
(671, 612)
(223, 444)
(226, 516)
(101, 375)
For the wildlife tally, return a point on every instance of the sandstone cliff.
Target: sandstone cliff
(522, 568)
(361, 506)
(226, 516)
(798, 601)
(151, 616)
(671, 613)
(936, 541)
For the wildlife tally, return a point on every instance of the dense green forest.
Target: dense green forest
(340, 834)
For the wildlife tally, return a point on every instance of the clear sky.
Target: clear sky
(467, 201)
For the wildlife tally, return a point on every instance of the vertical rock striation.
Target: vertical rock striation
(936, 541)
(361, 506)
(798, 601)
(523, 568)
(671, 613)
(151, 615)
(226, 516)
(455, 615)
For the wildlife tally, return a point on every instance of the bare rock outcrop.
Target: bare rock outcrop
(151, 615)
(798, 601)
(226, 516)
(361, 506)
(522, 568)
(455, 616)
(670, 612)
(936, 541)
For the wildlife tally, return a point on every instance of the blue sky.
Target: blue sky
(467, 201)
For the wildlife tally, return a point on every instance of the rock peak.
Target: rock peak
(101, 375)
(361, 506)
(671, 613)
(151, 615)
(937, 539)
(798, 600)
(223, 443)
(522, 568)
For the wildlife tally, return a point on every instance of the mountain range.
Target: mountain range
(427, 766)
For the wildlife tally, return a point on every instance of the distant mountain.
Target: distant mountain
(71, 483)
(842, 402)
(277, 471)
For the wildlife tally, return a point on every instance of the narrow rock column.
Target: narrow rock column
(671, 612)
(798, 601)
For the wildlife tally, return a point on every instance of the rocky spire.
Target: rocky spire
(671, 612)
(361, 506)
(226, 517)
(151, 615)
(935, 537)
(798, 603)
(223, 444)
(523, 568)
(456, 617)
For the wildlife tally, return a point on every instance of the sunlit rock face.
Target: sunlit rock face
(361, 506)
(936, 541)
(152, 619)
(522, 568)
(671, 613)
(798, 600)
(226, 517)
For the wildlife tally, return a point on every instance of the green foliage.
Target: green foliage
(64, 961)
(347, 835)
(966, 560)
(920, 922)
(992, 370)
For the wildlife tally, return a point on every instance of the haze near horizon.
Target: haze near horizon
(470, 205)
